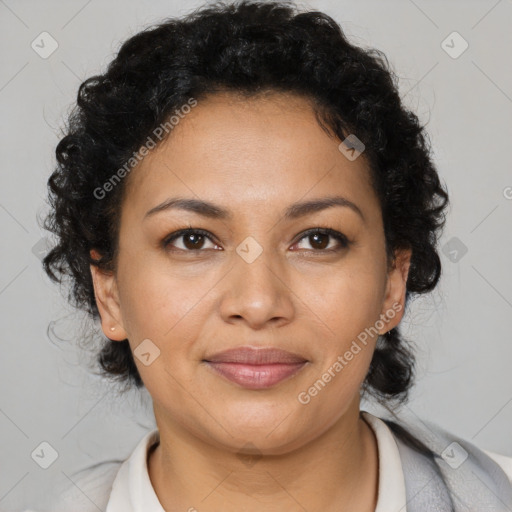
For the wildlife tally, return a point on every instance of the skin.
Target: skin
(253, 157)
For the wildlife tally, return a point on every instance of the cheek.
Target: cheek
(159, 300)
(168, 311)
(349, 299)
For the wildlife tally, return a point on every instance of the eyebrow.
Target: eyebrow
(212, 211)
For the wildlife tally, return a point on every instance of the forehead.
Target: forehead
(249, 152)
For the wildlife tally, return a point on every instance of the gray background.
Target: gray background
(462, 331)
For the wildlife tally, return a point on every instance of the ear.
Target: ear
(394, 300)
(107, 300)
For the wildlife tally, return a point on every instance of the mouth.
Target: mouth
(256, 368)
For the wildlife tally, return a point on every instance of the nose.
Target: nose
(257, 293)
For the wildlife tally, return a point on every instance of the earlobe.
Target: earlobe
(394, 301)
(107, 300)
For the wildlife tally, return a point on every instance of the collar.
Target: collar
(132, 490)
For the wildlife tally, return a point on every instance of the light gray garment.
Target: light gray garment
(459, 478)
(478, 484)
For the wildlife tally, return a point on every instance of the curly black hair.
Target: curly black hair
(246, 48)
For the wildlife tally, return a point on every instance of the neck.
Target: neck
(338, 469)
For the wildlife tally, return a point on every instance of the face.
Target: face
(262, 274)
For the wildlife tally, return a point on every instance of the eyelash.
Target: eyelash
(340, 237)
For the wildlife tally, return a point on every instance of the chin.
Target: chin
(269, 434)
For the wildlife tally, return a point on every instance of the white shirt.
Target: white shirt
(131, 490)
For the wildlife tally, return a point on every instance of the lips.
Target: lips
(256, 368)
(256, 356)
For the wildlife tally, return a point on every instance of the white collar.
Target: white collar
(132, 490)
(391, 494)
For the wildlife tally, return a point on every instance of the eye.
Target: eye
(192, 240)
(319, 239)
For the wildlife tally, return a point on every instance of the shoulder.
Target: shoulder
(504, 461)
(92, 488)
(480, 455)
(87, 490)
(451, 451)
(440, 467)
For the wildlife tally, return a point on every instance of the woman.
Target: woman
(246, 206)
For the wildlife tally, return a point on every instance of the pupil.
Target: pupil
(194, 239)
(315, 237)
